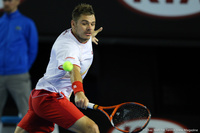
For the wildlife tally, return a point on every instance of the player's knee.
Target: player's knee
(93, 128)
(84, 125)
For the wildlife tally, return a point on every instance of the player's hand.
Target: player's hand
(81, 100)
(94, 39)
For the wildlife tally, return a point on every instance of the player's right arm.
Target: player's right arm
(81, 100)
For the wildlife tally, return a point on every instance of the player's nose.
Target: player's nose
(89, 27)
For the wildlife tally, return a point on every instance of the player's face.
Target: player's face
(10, 5)
(84, 27)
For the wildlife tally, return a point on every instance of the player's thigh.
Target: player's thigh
(84, 125)
(20, 130)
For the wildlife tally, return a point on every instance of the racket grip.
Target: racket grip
(92, 106)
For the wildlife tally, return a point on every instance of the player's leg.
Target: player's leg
(20, 130)
(58, 109)
(84, 125)
(31, 122)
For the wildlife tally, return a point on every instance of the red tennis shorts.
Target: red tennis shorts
(47, 108)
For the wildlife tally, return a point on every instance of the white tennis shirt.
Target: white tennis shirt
(65, 48)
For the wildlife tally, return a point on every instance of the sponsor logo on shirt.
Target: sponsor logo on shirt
(18, 28)
(60, 67)
(69, 58)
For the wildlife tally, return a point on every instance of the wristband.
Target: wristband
(77, 86)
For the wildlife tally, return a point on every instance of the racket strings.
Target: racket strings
(131, 112)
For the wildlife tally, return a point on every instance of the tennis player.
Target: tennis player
(49, 101)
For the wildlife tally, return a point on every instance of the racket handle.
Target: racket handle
(92, 106)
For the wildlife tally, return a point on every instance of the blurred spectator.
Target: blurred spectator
(18, 50)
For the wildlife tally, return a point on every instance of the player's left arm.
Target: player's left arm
(81, 100)
(94, 39)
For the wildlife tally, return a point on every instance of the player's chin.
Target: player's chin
(87, 37)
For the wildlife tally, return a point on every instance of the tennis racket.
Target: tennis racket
(124, 113)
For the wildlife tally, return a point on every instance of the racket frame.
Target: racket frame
(115, 107)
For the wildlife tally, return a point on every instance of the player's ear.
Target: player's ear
(73, 23)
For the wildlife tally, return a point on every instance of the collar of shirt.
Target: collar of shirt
(12, 15)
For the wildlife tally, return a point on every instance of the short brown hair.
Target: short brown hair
(80, 9)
